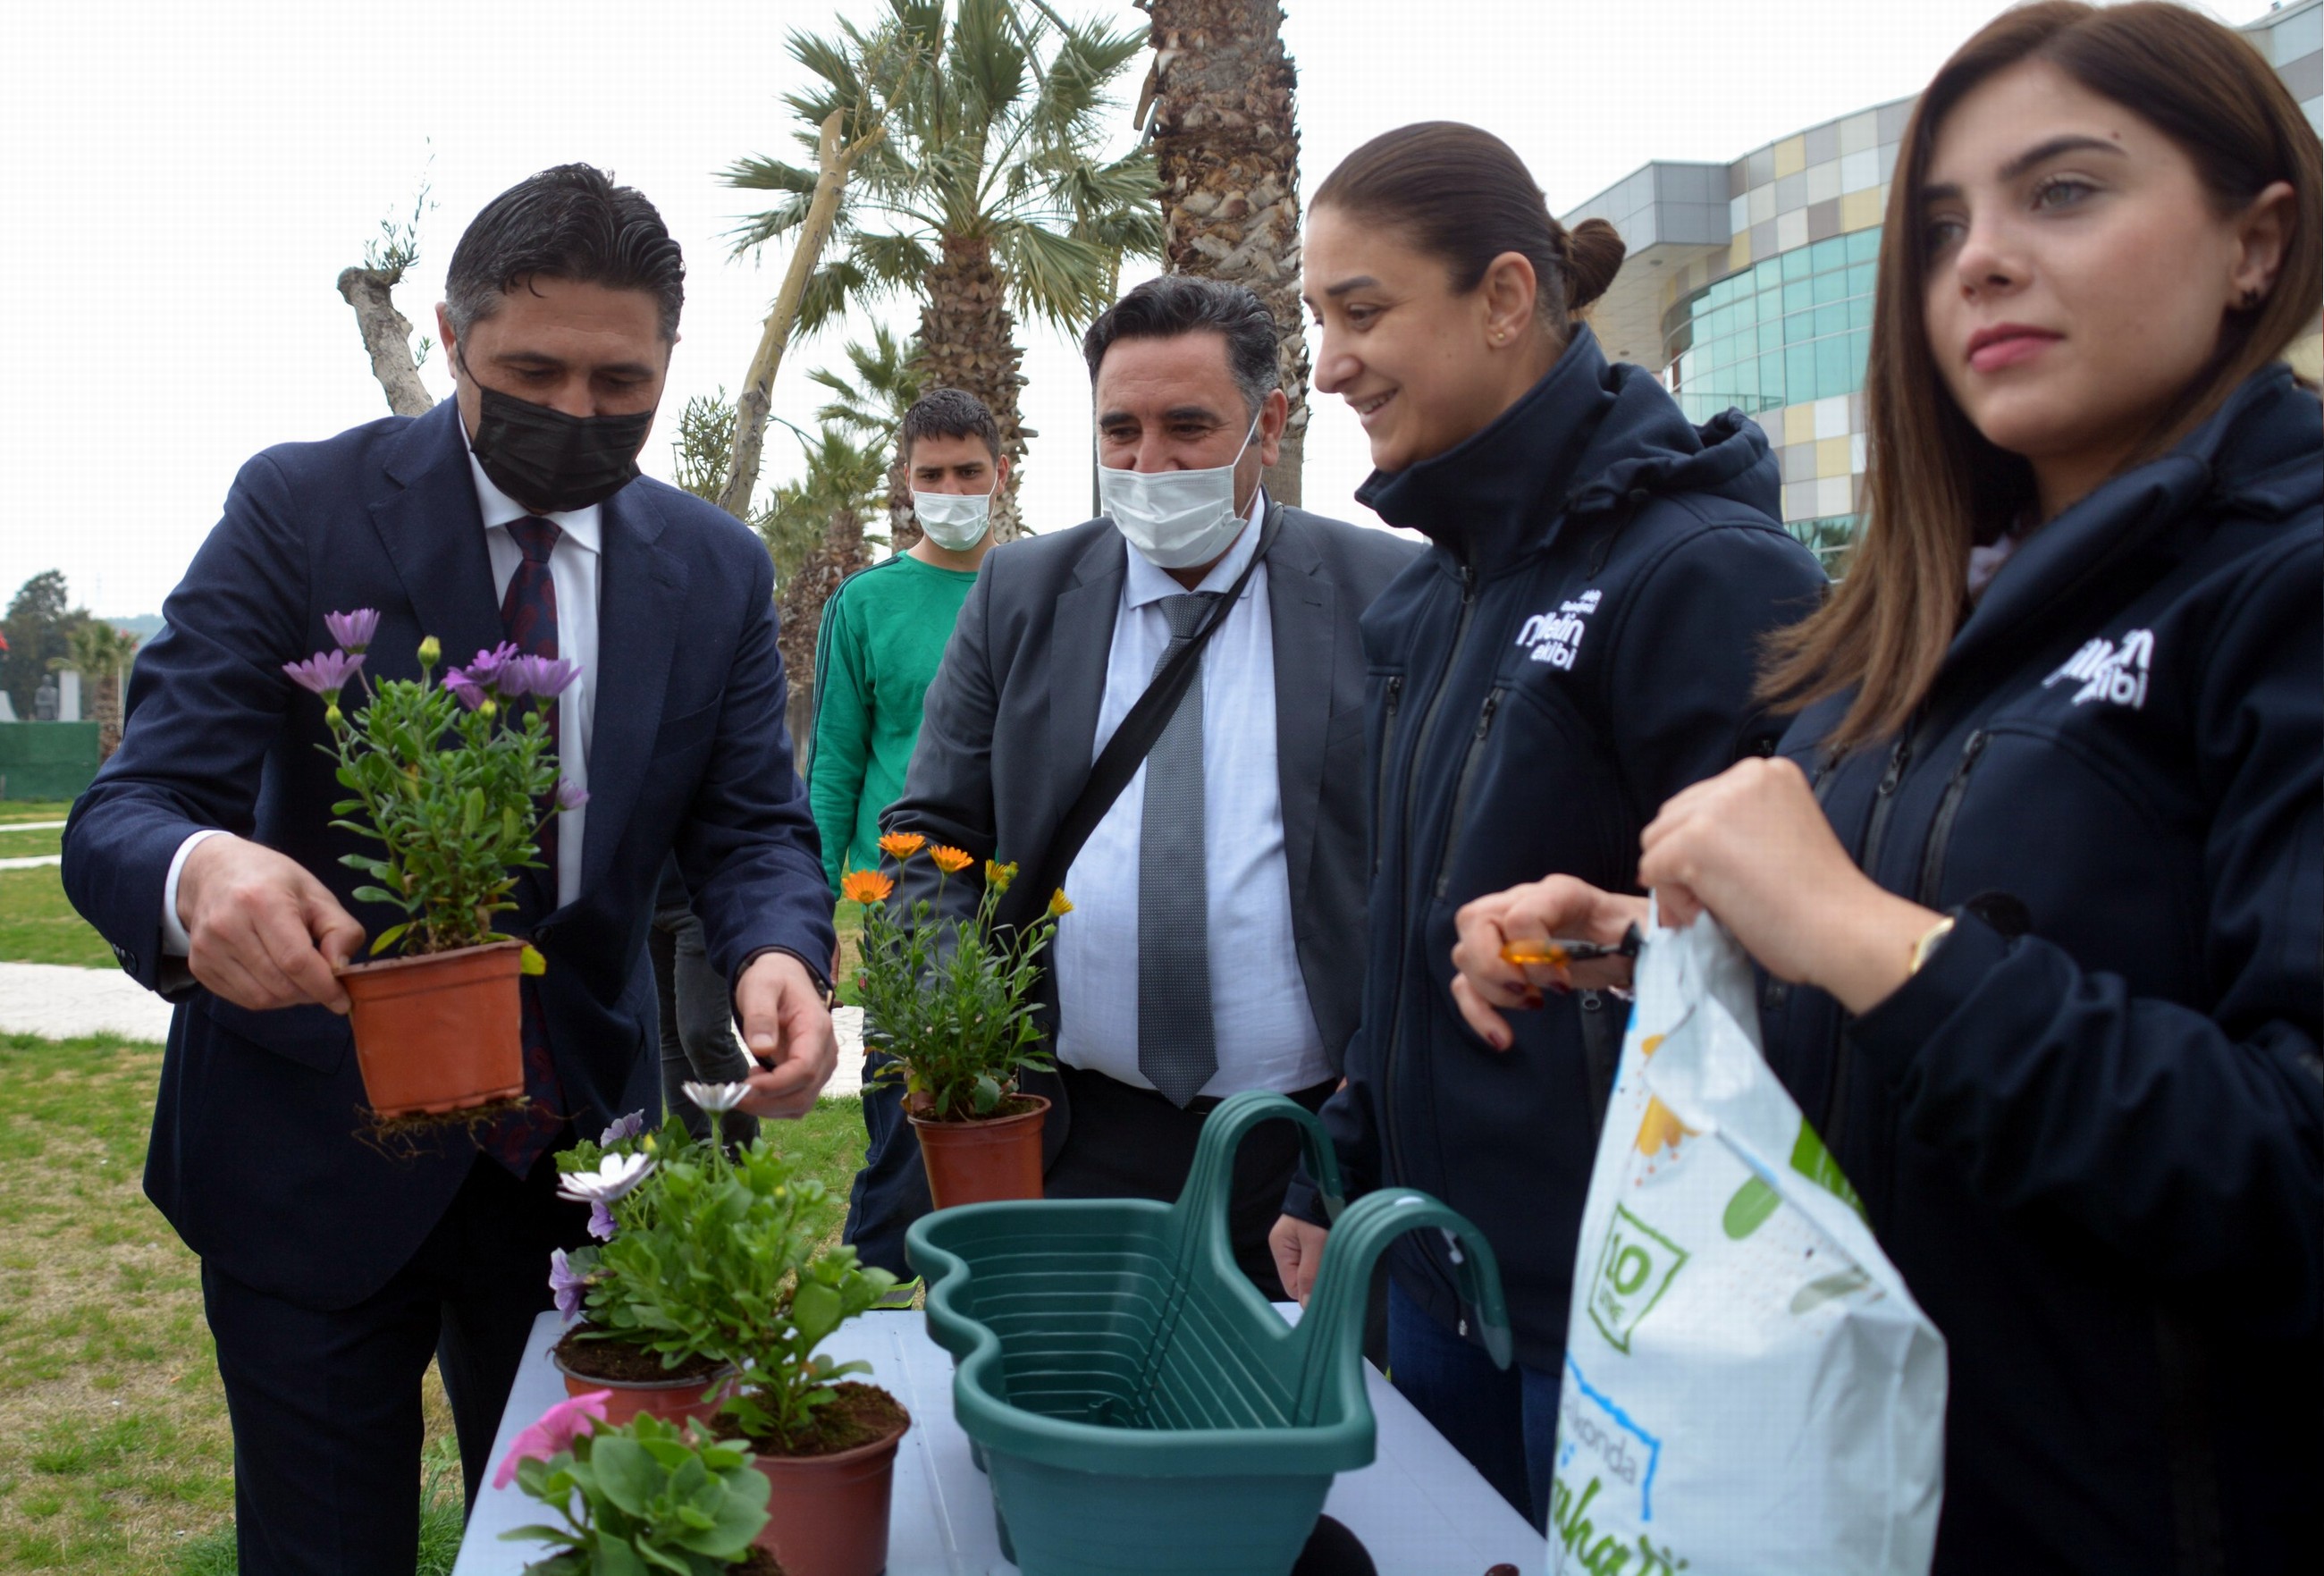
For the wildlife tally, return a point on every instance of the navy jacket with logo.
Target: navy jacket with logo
(2090, 1131)
(1578, 645)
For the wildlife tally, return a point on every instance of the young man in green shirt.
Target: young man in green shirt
(884, 629)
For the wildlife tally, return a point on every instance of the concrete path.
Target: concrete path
(57, 1003)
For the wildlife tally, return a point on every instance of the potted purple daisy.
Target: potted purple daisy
(450, 780)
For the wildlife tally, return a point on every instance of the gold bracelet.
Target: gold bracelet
(1927, 944)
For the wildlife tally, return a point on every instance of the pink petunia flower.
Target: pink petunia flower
(353, 630)
(555, 1431)
(601, 1226)
(325, 673)
(570, 795)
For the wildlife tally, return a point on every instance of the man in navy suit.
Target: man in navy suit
(331, 1272)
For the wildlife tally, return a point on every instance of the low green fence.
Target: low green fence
(46, 760)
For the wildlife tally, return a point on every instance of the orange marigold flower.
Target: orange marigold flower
(951, 861)
(1059, 904)
(998, 875)
(866, 886)
(902, 844)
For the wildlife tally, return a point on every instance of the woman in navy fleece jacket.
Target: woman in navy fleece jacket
(2037, 877)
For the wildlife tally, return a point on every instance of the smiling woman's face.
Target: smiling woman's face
(1418, 363)
(2078, 273)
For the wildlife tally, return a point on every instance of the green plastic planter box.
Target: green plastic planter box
(1137, 1406)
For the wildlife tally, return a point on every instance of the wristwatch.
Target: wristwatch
(1926, 947)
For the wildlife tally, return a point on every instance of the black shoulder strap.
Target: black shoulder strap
(1123, 753)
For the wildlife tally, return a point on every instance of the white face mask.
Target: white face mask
(1178, 519)
(955, 521)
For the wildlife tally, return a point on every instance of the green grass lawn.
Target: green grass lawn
(33, 810)
(37, 926)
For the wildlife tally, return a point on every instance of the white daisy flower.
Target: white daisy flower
(716, 1097)
(615, 1176)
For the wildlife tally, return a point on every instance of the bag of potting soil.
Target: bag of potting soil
(1748, 1386)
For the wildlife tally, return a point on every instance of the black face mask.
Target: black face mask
(552, 462)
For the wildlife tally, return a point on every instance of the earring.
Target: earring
(2251, 299)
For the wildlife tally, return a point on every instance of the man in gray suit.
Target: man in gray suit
(1216, 936)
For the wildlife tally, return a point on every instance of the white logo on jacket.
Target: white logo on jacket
(1556, 637)
(2109, 672)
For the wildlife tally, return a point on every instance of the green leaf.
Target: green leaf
(626, 1474)
(389, 937)
(987, 1093)
(815, 1310)
(531, 962)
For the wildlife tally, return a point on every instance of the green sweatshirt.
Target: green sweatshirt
(884, 633)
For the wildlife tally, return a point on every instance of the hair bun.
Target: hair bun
(1597, 252)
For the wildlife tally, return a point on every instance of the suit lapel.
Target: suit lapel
(434, 534)
(1080, 641)
(1300, 600)
(641, 602)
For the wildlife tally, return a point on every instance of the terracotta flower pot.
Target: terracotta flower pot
(827, 1515)
(674, 1401)
(440, 1032)
(978, 1162)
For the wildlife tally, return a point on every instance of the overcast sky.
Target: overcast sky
(185, 181)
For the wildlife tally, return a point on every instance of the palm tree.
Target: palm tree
(988, 195)
(1227, 147)
(101, 654)
(872, 406)
(814, 530)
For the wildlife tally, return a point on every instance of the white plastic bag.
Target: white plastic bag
(1748, 1386)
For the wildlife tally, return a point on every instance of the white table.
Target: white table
(1419, 1508)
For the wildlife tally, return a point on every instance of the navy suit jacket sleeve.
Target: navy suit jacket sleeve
(209, 694)
(749, 851)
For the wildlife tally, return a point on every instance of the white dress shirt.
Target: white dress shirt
(573, 568)
(1266, 1030)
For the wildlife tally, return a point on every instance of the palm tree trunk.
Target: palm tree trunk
(968, 341)
(107, 710)
(799, 618)
(1228, 149)
(833, 161)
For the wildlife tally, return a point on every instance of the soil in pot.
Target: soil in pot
(637, 1379)
(993, 1157)
(757, 1562)
(827, 1508)
(440, 1033)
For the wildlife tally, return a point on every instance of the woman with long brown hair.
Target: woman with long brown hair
(2037, 877)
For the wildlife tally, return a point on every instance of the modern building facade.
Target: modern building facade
(1749, 285)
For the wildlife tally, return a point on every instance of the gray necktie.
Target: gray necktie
(1177, 1049)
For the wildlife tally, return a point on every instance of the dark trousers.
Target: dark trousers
(1504, 1421)
(1122, 1142)
(1128, 1142)
(890, 1191)
(326, 1406)
(698, 1017)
